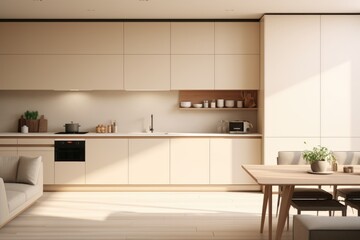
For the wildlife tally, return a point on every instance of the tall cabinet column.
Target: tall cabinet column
(290, 83)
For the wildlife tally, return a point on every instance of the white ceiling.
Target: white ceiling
(167, 9)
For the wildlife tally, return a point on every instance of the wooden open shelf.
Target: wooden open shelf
(217, 109)
(198, 96)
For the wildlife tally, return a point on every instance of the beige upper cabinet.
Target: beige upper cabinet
(237, 72)
(61, 72)
(340, 74)
(237, 37)
(61, 56)
(147, 56)
(292, 76)
(192, 38)
(189, 161)
(192, 72)
(107, 161)
(149, 161)
(61, 38)
(147, 72)
(147, 37)
(227, 156)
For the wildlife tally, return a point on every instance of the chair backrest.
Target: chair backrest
(290, 158)
(8, 168)
(347, 157)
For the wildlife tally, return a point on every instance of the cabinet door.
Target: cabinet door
(47, 154)
(147, 72)
(192, 38)
(59, 72)
(237, 72)
(227, 156)
(237, 38)
(107, 161)
(192, 72)
(61, 38)
(189, 161)
(147, 37)
(341, 144)
(292, 76)
(8, 151)
(149, 161)
(340, 74)
(69, 172)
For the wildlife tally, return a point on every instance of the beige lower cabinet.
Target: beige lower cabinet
(149, 161)
(8, 151)
(47, 154)
(69, 172)
(107, 161)
(189, 161)
(227, 156)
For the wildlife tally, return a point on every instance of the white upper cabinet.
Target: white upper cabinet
(340, 74)
(192, 38)
(147, 37)
(61, 38)
(237, 37)
(292, 76)
(237, 72)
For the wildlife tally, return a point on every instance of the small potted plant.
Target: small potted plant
(318, 157)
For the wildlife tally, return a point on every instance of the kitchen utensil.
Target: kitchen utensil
(24, 129)
(72, 127)
(220, 103)
(229, 103)
(239, 104)
(185, 104)
(197, 105)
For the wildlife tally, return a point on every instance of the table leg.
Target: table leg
(284, 209)
(270, 212)
(263, 213)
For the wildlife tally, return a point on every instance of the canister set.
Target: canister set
(218, 103)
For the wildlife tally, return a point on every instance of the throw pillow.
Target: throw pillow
(28, 170)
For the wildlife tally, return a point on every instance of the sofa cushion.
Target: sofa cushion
(8, 168)
(28, 190)
(15, 199)
(28, 170)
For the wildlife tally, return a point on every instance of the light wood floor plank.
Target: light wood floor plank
(142, 215)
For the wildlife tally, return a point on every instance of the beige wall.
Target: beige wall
(131, 110)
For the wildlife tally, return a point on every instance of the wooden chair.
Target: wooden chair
(347, 158)
(300, 193)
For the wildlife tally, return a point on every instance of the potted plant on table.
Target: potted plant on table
(318, 157)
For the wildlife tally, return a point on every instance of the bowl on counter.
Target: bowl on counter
(185, 104)
(197, 105)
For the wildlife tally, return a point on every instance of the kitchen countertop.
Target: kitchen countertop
(125, 135)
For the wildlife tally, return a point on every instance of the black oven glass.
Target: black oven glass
(70, 151)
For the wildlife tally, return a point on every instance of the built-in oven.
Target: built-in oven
(70, 150)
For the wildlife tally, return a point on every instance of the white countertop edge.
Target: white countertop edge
(137, 134)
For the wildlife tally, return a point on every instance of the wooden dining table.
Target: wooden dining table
(289, 176)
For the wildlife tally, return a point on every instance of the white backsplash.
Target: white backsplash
(130, 110)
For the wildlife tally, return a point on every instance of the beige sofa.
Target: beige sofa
(21, 184)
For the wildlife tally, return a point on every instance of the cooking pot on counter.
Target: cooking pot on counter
(72, 127)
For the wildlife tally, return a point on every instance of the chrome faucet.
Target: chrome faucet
(152, 123)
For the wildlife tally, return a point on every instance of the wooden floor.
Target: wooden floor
(140, 215)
